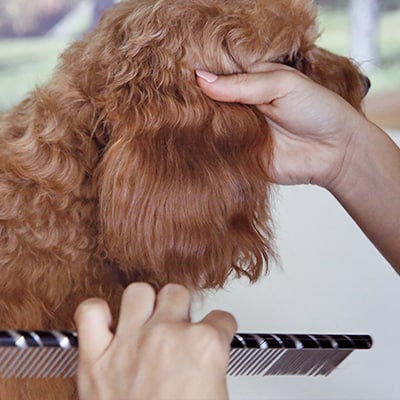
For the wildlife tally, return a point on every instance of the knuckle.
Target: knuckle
(241, 81)
(139, 289)
(163, 338)
(241, 78)
(174, 287)
(161, 332)
(90, 305)
(211, 346)
(174, 290)
(208, 335)
(139, 286)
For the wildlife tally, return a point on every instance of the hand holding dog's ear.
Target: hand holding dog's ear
(319, 138)
(311, 125)
(156, 351)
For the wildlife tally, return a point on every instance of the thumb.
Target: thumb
(93, 320)
(257, 88)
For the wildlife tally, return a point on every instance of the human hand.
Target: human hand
(156, 352)
(312, 127)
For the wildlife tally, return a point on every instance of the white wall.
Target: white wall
(332, 281)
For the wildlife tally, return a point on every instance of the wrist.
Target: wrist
(354, 158)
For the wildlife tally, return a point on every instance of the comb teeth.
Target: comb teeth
(51, 354)
(253, 362)
(38, 362)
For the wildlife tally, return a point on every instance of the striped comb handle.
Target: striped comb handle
(50, 354)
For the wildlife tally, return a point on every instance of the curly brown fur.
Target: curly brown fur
(120, 169)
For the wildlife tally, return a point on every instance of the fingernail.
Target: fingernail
(207, 76)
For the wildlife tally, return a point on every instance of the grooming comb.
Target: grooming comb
(50, 354)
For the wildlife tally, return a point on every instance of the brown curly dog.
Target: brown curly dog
(120, 169)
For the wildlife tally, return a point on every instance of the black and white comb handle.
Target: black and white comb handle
(50, 354)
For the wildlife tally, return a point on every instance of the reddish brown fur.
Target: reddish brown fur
(120, 169)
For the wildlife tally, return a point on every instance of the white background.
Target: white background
(331, 280)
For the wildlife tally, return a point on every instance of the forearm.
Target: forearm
(368, 187)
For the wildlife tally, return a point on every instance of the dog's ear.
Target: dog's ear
(183, 182)
(185, 199)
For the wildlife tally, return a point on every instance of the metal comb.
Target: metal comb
(51, 354)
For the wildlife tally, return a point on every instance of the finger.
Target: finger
(93, 320)
(254, 88)
(137, 306)
(173, 302)
(224, 322)
(269, 67)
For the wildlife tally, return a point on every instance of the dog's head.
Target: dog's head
(183, 182)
